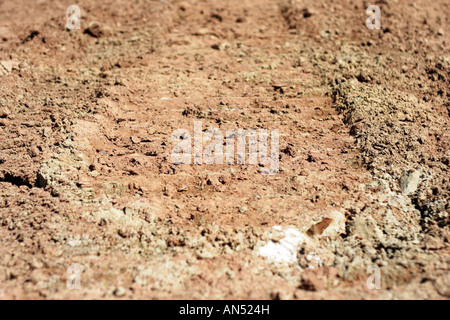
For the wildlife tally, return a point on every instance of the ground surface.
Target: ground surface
(86, 177)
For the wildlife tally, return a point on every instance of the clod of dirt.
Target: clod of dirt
(31, 36)
(311, 282)
(366, 228)
(331, 226)
(8, 66)
(94, 31)
(410, 181)
(320, 227)
(4, 112)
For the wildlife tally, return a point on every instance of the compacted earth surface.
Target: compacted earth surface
(92, 205)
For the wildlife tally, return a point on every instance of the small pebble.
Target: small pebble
(119, 292)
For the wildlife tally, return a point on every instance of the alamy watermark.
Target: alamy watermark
(374, 21)
(74, 20)
(374, 281)
(235, 145)
(74, 277)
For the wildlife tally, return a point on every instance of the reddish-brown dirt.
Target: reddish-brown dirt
(87, 180)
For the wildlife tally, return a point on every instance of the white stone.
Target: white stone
(286, 249)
